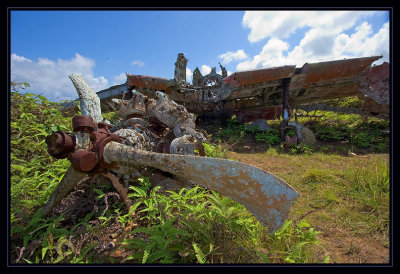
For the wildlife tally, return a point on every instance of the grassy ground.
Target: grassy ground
(341, 216)
(349, 205)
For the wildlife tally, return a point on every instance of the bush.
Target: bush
(34, 172)
(270, 137)
(214, 150)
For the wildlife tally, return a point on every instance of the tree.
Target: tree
(15, 86)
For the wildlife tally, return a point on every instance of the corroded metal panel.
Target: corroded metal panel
(144, 81)
(375, 89)
(340, 78)
(324, 91)
(259, 76)
(267, 113)
(338, 69)
(377, 84)
(230, 105)
(266, 196)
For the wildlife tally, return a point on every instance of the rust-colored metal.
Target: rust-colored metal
(338, 69)
(60, 144)
(259, 76)
(80, 123)
(374, 89)
(90, 159)
(102, 137)
(134, 107)
(104, 125)
(144, 81)
(378, 83)
(253, 92)
(256, 90)
(83, 160)
(269, 113)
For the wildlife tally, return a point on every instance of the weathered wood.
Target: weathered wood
(90, 102)
(67, 184)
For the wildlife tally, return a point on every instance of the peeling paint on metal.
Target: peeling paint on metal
(266, 196)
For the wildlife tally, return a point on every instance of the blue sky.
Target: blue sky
(47, 46)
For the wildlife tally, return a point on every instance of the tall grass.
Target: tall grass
(370, 184)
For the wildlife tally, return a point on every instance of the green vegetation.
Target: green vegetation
(360, 133)
(348, 102)
(193, 225)
(214, 150)
(369, 187)
(201, 226)
(32, 118)
(335, 132)
(270, 137)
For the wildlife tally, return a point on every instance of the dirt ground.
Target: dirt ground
(345, 248)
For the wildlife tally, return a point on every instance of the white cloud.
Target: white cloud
(51, 77)
(137, 63)
(317, 42)
(119, 79)
(271, 55)
(204, 69)
(189, 75)
(230, 56)
(281, 24)
(323, 44)
(17, 58)
(364, 43)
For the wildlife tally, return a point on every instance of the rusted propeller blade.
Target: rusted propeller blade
(266, 196)
(71, 178)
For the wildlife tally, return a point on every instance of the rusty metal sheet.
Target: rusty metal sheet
(332, 70)
(253, 102)
(260, 75)
(377, 84)
(266, 196)
(145, 81)
(245, 102)
(230, 104)
(267, 113)
(376, 87)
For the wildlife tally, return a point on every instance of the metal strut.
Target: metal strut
(285, 95)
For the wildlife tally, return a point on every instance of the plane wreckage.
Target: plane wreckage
(270, 93)
(157, 137)
(261, 93)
